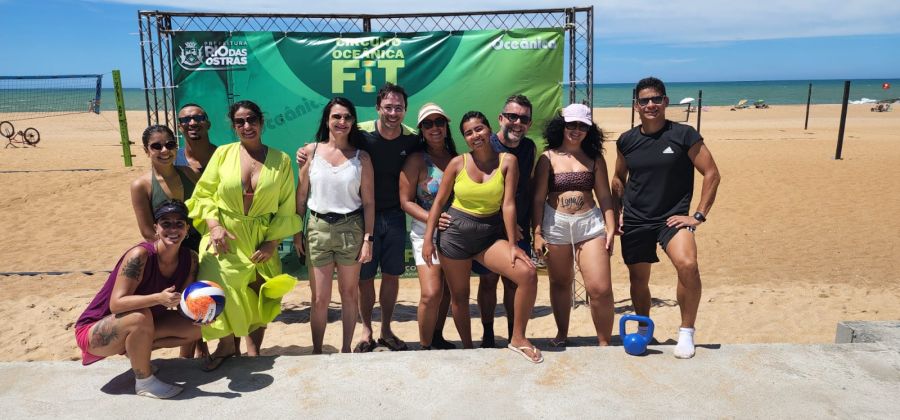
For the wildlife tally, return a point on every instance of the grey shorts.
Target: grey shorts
(468, 235)
(569, 229)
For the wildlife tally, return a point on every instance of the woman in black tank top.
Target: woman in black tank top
(571, 226)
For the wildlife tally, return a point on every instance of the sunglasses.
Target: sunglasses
(239, 122)
(187, 119)
(178, 224)
(342, 117)
(437, 122)
(170, 145)
(658, 100)
(525, 119)
(580, 126)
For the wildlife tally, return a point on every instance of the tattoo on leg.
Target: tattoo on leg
(104, 332)
(133, 268)
(140, 374)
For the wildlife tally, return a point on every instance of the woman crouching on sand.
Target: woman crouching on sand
(570, 223)
(482, 228)
(129, 316)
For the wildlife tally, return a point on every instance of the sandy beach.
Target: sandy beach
(795, 242)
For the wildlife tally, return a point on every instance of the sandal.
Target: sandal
(394, 343)
(212, 362)
(365, 346)
(555, 342)
(521, 350)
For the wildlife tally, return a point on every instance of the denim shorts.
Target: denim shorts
(389, 247)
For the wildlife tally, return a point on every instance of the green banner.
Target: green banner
(292, 75)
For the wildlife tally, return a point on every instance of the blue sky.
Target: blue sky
(677, 40)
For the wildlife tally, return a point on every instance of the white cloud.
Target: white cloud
(627, 21)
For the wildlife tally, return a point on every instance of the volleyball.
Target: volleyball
(202, 301)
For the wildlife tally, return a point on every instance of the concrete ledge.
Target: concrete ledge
(747, 381)
(885, 332)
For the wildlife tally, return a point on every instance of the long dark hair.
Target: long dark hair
(322, 133)
(592, 145)
(449, 145)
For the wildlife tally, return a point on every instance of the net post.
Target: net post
(96, 104)
(840, 140)
(123, 122)
(808, 100)
(699, 108)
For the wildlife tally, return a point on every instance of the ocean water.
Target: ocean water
(775, 92)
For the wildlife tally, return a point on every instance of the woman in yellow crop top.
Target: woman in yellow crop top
(482, 228)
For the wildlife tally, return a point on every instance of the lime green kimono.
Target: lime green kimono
(272, 216)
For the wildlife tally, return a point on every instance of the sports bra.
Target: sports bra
(482, 199)
(572, 181)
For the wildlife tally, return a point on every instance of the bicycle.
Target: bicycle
(29, 137)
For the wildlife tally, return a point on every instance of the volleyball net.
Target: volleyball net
(30, 97)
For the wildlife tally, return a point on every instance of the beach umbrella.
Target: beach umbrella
(686, 101)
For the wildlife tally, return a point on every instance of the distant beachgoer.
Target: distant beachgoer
(419, 183)
(194, 125)
(482, 228)
(128, 315)
(652, 190)
(245, 205)
(573, 226)
(337, 186)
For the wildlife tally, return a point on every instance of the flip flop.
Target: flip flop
(394, 343)
(521, 350)
(213, 362)
(365, 346)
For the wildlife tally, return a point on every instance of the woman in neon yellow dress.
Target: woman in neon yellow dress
(244, 205)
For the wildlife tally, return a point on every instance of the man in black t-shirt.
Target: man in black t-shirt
(653, 185)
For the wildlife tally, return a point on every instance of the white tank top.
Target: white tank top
(334, 189)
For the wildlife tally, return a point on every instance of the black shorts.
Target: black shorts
(468, 235)
(639, 242)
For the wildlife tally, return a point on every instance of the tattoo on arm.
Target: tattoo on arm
(133, 268)
(104, 332)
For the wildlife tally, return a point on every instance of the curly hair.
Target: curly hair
(592, 145)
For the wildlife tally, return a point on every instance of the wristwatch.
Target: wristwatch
(368, 237)
(700, 217)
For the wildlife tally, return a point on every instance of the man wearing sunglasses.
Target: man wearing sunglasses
(194, 125)
(652, 189)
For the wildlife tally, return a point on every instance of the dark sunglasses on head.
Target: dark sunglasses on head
(342, 117)
(178, 224)
(187, 119)
(437, 122)
(580, 126)
(658, 100)
(239, 122)
(171, 145)
(525, 119)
